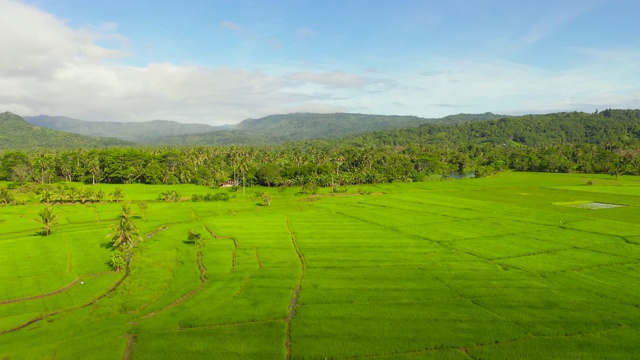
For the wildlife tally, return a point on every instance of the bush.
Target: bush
(217, 197)
(169, 195)
(339, 189)
(309, 188)
(196, 197)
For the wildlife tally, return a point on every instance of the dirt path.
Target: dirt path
(185, 297)
(235, 243)
(131, 341)
(296, 291)
(65, 288)
(109, 291)
(258, 258)
(154, 232)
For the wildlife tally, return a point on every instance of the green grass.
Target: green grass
(488, 268)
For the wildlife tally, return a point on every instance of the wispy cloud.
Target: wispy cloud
(305, 33)
(560, 16)
(233, 26)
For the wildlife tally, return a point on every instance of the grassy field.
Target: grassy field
(494, 268)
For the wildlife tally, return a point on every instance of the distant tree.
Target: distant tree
(266, 198)
(47, 218)
(5, 196)
(98, 195)
(93, 166)
(117, 194)
(169, 195)
(142, 205)
(195, 237)
(86, 194)
(47, 196)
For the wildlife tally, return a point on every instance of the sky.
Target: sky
(220, 62)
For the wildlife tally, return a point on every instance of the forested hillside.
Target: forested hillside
(278, 129)
(606, 142)
(139, 132)
(17, 133)
(269, 130)
(606, 127)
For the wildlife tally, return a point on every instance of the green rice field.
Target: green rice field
(506, 267)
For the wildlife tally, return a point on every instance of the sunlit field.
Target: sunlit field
(504, 267)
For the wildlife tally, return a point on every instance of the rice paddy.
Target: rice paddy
(489, 268)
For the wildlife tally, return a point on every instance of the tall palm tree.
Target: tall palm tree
(48, 218)
(124, 233)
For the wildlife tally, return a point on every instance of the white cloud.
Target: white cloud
(51, 68)
(58, 70)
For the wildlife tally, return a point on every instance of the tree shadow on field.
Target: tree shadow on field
(107, 245)
(189, 242)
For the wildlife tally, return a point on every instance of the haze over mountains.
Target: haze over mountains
(613, 127)
(272, 129)
(15, 132)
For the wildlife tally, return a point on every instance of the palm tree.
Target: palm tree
(118, 260)
(117, 194)
(142, 205)
(124, 233)
(98, 195)
(48, 218)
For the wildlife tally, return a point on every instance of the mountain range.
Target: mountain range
(273, 129)
(15, 132)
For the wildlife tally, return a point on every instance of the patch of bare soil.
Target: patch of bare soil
(131, 340)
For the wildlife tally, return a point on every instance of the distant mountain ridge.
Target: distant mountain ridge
(139, 132)
(272, 129)
(15, 133)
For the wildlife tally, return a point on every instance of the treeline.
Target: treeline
(613, 128)
(289, 165)
(604, 142)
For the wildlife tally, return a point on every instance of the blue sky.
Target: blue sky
(220, 62)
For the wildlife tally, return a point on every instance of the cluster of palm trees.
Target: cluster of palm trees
(51, 194)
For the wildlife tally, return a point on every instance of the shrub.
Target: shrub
(216, 197)
(309, 188)
(169, 195)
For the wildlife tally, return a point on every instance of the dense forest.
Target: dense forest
(604, 142)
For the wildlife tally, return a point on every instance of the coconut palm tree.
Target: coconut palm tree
(118, 260)
(124, 233)
(48, 218)
(117, 194)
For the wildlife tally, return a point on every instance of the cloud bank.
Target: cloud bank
(49, 67)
